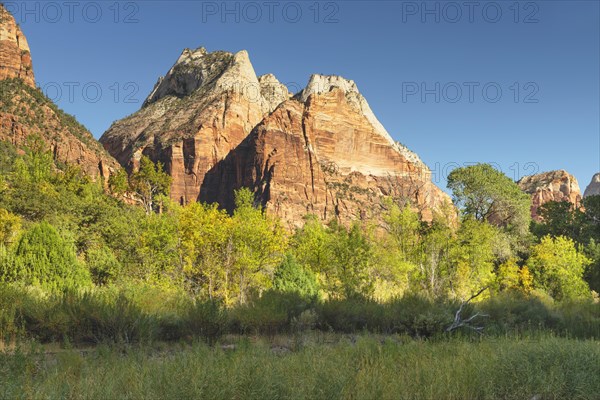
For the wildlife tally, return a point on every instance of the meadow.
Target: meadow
(316, 366)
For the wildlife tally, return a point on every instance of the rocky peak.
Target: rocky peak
(322, 84)
(273, 91)
(550, 186)
(216, 127)
(15, 56)
(319, 84)
(593, 188)
(193, 69)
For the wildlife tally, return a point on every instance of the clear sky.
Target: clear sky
(514, 83)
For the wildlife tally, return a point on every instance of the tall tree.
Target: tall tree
(488, 195)
(149, 183)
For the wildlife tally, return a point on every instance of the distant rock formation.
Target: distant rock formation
(593, 188)
(15, 57)
(217, 127)
(25, 111)
(550, 186)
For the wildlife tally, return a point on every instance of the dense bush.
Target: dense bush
(43, 258)
(141, 315)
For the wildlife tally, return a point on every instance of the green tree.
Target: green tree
(434, 263)
(592, 272)
(488, 195)
(149, 183)
(473, 256)
(396, 251)
(118, 182)
(259, 243)
(310, 245)
(44, 258)
(290, 276)
(591, 229)
(559, 219)
(103, 265)
(207, 244)
(10, 225)
(557, 267)
(158, 250)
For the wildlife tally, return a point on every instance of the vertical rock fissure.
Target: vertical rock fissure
(308, 147)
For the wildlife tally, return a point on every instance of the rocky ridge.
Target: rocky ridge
(25, 111)
(217, 127)
(550, 186)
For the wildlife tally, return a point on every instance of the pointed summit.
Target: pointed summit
(205, 105)
(15, 57)
(593, 189)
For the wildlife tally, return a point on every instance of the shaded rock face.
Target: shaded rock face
(593, 189)
(217, 128)
(15, 57)
(25, 111)
(550, 186)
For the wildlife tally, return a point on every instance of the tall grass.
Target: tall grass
(146, 315)
(550, 368)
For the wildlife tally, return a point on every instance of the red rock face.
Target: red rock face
(205, 106)
(24, 110)
(217, 127)
(550, 186)
(15, 57)
(324, 158)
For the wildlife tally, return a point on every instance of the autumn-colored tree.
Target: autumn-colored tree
(557, 267)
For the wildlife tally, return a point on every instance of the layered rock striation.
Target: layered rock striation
(15, 56)
(218, 127)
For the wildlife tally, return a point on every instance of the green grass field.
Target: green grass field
(320, 366)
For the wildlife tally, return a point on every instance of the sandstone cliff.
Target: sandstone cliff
(24, 110)
(593, 189)
(200, 111)
(217, 127)
(550, 186)
(15, 57)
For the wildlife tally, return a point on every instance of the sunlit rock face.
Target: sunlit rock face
(218, 127)
(550, 186)
(15, 56)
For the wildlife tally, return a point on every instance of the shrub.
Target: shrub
(206, 319)
(269, 314)
(43, 258)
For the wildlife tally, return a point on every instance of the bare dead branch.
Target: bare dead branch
(460, 323)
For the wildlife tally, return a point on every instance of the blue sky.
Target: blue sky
(514, 83)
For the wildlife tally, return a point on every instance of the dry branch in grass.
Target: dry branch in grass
(459, 322)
